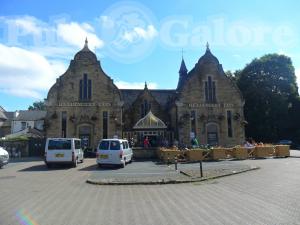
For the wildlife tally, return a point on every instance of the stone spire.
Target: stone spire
(146, 86)
(86, 47)
(182, 73)
(207, 47)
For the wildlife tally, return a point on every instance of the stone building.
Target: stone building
(84, 102)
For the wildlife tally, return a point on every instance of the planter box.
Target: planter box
(282, 150)
(194, 155)
(240, 153)
(169, 155)
(229, 152)
(218, 153)
(261, 151)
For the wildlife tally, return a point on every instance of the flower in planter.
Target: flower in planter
(236, 116)
(202, 117)
(94, 118)
(54, 115)
(72, 118)
(221, 117)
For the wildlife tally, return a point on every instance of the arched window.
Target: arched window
(85, 88)
(210, 90)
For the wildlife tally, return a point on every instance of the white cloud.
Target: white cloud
(140, 33)
(26, 74)
(106, 22)
(134, 85)
(74, 33)
(26, 24)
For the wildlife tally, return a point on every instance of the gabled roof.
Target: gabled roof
(2, 116)
(30, 115)
(161, 96)
(150, 122)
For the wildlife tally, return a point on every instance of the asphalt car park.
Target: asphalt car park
(60, 195)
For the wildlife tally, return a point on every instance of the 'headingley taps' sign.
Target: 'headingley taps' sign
(212, 105)
(83, 104)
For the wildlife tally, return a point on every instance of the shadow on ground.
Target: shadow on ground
(42, 167)
(103, 167)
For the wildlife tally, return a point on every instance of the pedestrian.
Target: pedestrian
(146, 142)
(194, 142)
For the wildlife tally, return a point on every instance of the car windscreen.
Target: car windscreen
(114, 145)
(104, 145)
(59, 145)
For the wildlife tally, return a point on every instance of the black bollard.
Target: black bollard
(175, 160)
(201, 172)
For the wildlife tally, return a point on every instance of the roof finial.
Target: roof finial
(146, 87)
(86, 42)
(182, 53)
(207, 47)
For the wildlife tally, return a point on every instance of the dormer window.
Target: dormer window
(210, 90)
(85, 88)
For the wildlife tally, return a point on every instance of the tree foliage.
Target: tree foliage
(269, 87)
(38, 105)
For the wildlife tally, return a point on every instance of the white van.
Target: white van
(114, 151)
(4, 157)
(63, 150)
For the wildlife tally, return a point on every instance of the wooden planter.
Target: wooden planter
(261, 151)
(169, 155)
(218, 153)
(282, 150)
(240, 153)
(194, 155)
(229, 152)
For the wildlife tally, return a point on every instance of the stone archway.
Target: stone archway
(212, 133)
(85, 134)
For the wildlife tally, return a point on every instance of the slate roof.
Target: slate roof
(30, 115)
(163, 97)
(2, 116)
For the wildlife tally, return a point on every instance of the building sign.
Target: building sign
(211, 105)
(83, 104)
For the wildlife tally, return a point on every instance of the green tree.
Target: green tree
(38, 105)
(269, 87)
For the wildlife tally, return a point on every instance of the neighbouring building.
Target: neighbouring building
(84, 102)
(32, 119)
(5, 122)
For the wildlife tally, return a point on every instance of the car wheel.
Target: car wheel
(123, 164)
(48, 165)
(1, 167)
(99, 165)
(130, 161)
(82, 160)
(75, 163)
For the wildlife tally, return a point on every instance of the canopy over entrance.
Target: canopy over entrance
(150, 122)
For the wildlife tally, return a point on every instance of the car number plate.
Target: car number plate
(59, 155)
(103, 156)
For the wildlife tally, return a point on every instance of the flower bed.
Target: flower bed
(282, 150)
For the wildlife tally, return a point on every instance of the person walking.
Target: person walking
(146, 142)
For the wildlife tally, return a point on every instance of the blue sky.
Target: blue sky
(136, 41)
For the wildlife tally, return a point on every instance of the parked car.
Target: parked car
(63, 151)
(285, 142)
(4, 157)
(114, 151)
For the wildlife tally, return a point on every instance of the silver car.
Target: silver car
(4, 157)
